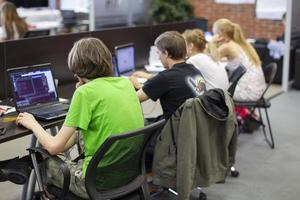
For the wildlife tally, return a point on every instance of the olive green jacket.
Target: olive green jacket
(201, 148)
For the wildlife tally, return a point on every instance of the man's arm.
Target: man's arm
(142, 95)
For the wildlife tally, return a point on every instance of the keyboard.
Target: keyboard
(54, 108)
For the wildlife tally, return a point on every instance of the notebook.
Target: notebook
(34, 91)
(125, 60)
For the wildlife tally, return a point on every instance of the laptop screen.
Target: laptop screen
(125, 58)
(32, 85)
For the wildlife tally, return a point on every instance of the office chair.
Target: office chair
(235, 77)
(197, 131)
(37, 33)
(69, 18)
(132, 165)
(262, 102)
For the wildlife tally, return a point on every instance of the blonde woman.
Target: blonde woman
(231, 44)
(13, 27)
(213, 73)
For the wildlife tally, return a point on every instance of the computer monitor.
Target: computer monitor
(30, 3)
(37, 33)
(125, 58)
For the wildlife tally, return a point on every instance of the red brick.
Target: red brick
(243, 14)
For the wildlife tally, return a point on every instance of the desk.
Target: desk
(13, 131)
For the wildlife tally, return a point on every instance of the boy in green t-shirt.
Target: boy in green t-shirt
(102, 105)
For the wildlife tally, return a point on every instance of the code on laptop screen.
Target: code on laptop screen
(33, 86)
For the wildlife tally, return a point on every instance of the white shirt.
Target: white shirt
(252, 84)
(213, 72)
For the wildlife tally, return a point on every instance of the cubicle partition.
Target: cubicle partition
(34, 51)
(54, 49)
(140, 36)
(2, 72)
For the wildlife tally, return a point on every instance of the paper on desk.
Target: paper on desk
(4, 109)
(154, 68)
(63, 100)
(155, 64)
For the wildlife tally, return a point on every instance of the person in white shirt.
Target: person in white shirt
(214, 74)
(12, 26)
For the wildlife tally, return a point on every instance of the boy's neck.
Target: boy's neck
(174, 62)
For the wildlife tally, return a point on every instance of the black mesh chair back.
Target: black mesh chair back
(37, 33)
(235, 77)
(110, 177)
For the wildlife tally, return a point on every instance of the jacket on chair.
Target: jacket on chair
(198, 143)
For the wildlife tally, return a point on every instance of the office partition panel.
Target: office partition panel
(140, 36)
(53, 49)
(143, 37)
(156, 30)
(2, 72)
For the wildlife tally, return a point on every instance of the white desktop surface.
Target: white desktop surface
(151, 108)
(41, 18)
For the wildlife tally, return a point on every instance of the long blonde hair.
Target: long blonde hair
(235, 33)
(9, 16)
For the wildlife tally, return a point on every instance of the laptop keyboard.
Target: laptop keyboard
(50, 109)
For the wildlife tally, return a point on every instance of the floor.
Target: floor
(265, 174)
(273, 91)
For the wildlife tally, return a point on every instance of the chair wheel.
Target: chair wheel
(202, 196)
(197, 194)
(235, 173)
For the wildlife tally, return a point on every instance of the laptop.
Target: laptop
(125, 61)
(114, 63)
(34, 91)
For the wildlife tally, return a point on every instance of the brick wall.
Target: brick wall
(243, 14)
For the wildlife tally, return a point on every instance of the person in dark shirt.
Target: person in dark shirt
(180, 81)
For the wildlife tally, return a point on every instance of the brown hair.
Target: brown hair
(196, 37)
(173, 43)
(235, 33)
(9, 16)
(90, 58)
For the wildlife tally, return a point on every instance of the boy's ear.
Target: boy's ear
(165, 52)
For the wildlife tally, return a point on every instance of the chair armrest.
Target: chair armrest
(62, 165)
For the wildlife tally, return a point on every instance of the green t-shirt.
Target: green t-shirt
(101, 108)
